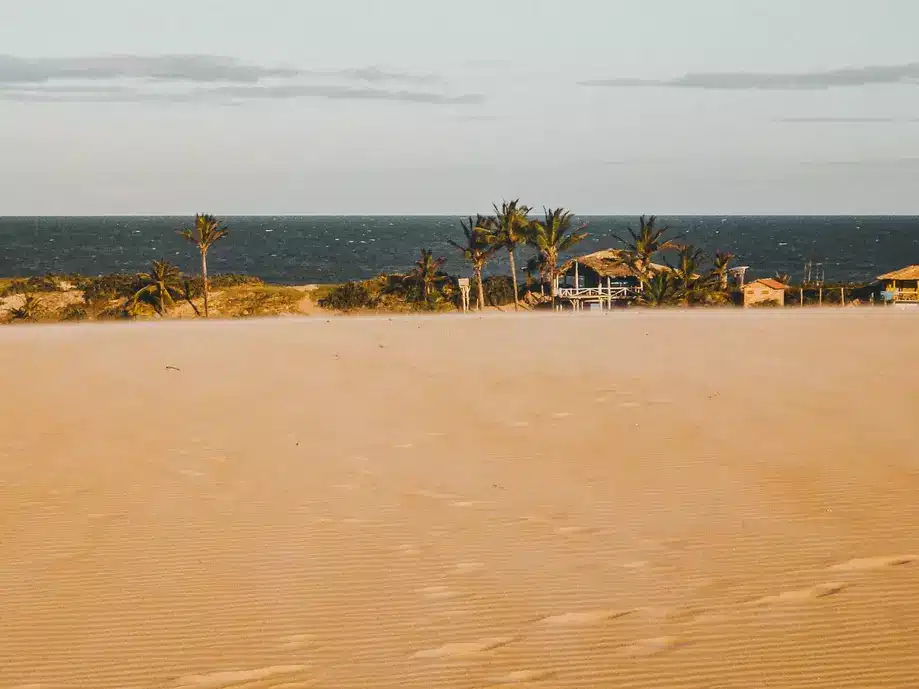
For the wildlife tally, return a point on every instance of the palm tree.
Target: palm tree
(660, 290)
(205, 233)
(511, 227)
(427, 273)
(31, 309)
(161, 287)
(684, 275)
(644, 245)
(478, 248)
(553, 237)
(720, 268)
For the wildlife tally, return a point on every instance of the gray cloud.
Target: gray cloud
(908, 162)
(230, 95)
(201, 78)
(736, 81)
(195, 68)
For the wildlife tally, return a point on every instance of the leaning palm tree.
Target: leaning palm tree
(511, 227)
(477, 249)
(427, 273)
(553, 237)
(720, 268)
(160, 287)
(205, 233)
(642, 246)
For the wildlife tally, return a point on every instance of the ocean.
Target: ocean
(317, 249)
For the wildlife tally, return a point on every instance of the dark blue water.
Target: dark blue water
(300, 250)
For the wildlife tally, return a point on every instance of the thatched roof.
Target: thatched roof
(607, 263)
(908, 273)
(767, 282)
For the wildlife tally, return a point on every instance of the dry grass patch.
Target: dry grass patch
(258, 300)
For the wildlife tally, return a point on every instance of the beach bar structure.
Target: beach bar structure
(901, 286)
(601, 279)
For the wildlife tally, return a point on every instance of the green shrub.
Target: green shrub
(109, 287)
(73, 312)
(32, 285)
(499, 290)
(260, 301)
(766, 304)
(347, 297)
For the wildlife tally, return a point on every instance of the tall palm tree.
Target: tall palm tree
(553, 237)
(161, 287)
(720, 268)
(643, 245)
(477, 249)
(427, 273)
(512, 224)
(205, 233)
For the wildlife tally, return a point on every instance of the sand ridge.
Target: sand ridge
(625, 500)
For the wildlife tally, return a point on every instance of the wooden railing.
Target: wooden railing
(597, 292)
(906, 295)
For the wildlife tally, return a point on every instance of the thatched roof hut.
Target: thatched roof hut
(607, 263)
(908, 273)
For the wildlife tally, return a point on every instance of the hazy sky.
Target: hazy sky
(435, 106)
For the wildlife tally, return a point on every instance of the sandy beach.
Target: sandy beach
(706, 499)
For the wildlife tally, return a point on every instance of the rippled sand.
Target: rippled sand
(632, 500)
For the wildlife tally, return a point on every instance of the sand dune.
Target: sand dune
(629, 500)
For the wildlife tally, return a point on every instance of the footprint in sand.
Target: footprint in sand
(818, 591)
(865, 564)
(464, 648)
(572, 619)
(229, 678)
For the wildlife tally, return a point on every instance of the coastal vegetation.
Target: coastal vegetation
(667, 271)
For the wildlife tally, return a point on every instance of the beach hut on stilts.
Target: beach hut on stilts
(601, 280)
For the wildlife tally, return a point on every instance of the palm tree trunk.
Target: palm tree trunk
(480, 288)
(510, 253)
(206, 286)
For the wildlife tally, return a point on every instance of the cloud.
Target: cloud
(168, 68)
(230, 95)
(848, 120)
(788, 81)
(203, 78)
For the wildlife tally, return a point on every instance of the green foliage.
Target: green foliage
(766, 304)
(643, 246)
(32, 285)
(348, 297)
(263, 300)
(499, 290)
(160, 287)
(32, 309)
(73, 312)
(661, 290)
(110, 287)
(205, 232)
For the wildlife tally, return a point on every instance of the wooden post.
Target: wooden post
(802, 295)
(842, 295)
(820, 296)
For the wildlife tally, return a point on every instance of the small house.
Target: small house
(901, 286)
(764, 291)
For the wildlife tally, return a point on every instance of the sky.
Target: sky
(363, 107)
